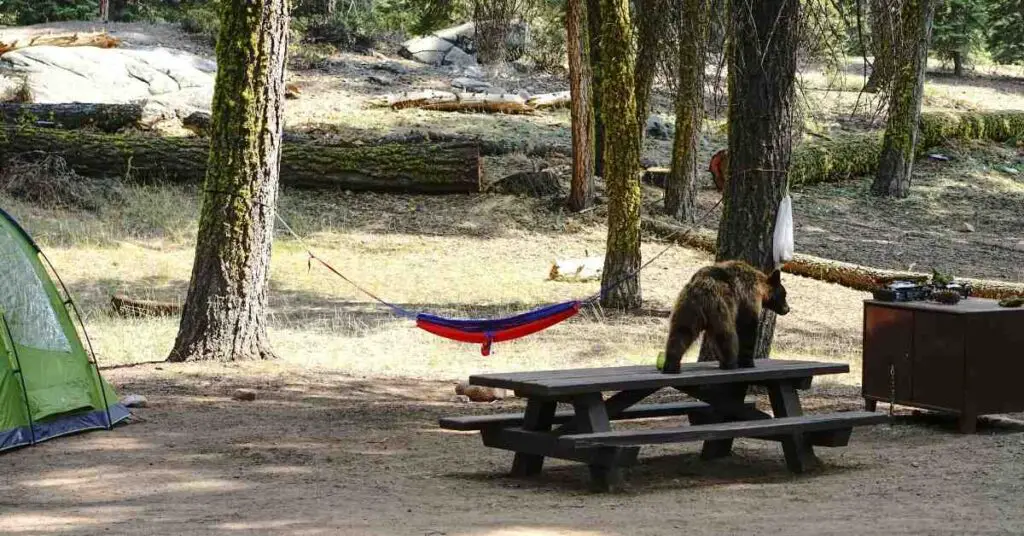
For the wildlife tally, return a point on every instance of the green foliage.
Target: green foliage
(37, 11)
(547, 47)
(1006, 32)
(202, 20)
(959, 28)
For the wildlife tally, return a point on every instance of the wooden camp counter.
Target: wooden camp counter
(966, 359)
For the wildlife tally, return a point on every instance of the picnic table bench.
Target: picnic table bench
(718, 413)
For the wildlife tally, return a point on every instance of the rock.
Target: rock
(658, 128)
(431, 49)
(170, 81)
(966, 228)
(246, 395)
(379, 80)
(462, 399)
(454, 34)
(134, 401)
(1019, 246)
(389, 66)
(458, 57)
(477, 393)
(470, 84)
(292, 91)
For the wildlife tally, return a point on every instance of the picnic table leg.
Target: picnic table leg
(724, 396)
(592, 416)
(538, 418)
(786, 403)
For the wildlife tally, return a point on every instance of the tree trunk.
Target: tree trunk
(762, 70)
(596, 61)
(224, 317)
(681, 187)
(581, 193)
(415, 168)
(901, 130)
(958, 64)
(651, 25)
(884, 17)
(105, 117)
(104, 10)
(620, 283)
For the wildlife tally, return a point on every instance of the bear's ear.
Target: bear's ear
(775, 279)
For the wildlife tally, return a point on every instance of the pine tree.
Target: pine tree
(224, 316)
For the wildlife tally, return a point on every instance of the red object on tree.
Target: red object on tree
(716, 168)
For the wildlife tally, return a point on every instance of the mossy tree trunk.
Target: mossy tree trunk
(596, 59)
(581, 193)
(762, 69)
(224, 316)
(901, 130)
(884, 18)
(651, 25)
(681, 186)
(620, 283)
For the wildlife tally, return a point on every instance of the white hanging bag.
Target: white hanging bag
(782, 244)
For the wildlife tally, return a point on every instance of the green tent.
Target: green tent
(48, 385)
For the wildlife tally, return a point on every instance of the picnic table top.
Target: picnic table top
(590, 380)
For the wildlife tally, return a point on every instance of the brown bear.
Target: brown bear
(724, 301)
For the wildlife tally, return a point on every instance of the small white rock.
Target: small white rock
(966, 228)
(134, 401)
(244, 395)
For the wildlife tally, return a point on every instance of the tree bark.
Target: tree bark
(435, 168)
(958, 64)
(581, 194)
(762, 69)
(596, 61)
(224, 317)
(620, 283)
(69, 116)
(681, 186)
(901, 130)
(884, 17)
(652, 22)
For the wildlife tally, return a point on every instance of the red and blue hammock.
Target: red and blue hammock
(485, 332)
(482, 332)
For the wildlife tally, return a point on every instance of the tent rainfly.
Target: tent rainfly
(49, 387)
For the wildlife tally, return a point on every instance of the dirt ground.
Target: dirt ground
(343, 436)
(327, 453)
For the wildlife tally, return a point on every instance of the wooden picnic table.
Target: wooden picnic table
(718, 413)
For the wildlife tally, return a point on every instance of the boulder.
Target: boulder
(429, 49)
(470, 84)
(658, 129)
(458, 57)
(172, 82)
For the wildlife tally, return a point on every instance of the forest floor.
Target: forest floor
(343, 435)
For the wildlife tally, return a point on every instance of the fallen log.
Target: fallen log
(429, 168)
(69, 116)
(125, 306)
(95, 39)
(559, 99)
(845, 274)
(446, 101)
(577, 270)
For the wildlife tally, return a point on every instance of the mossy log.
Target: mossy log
(852, 155)
(70, 116)
(433, 168)
(846, 274)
